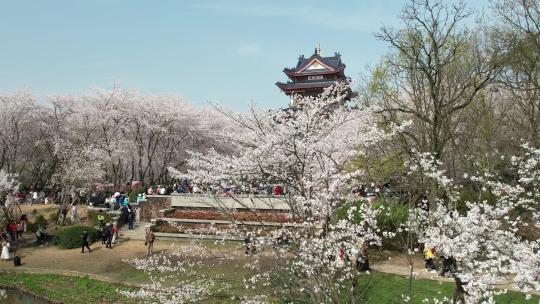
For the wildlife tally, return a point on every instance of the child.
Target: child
(5, 251)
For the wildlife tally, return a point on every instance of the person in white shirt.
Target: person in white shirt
(5, 251)
(10, 200)
(74, 214)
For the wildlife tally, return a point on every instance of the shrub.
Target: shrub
(53, 217)
(39, 221)
(92, 217)
(70, 237)
(390, 219)
(393, 217)
(133, 194)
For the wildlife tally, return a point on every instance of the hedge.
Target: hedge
(70, 237)
(39, 221)
(92, 217)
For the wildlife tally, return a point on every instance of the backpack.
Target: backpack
(17, 261)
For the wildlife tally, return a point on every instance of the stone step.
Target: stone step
(139, 233)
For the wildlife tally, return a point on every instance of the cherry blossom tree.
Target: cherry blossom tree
(80, 169)
(19, 119)
(307, 151)
(137, 137)
(177, 278)
(484, 238)
(10, 210)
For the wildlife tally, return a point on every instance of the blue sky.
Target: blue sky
(227, 51)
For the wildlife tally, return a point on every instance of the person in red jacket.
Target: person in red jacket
(13, 231)
(278, 190)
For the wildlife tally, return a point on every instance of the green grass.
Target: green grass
(65, 289)
(376, 288)
(387, 289)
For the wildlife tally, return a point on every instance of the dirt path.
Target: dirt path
(109, 264)
(400, 266)
(101, 261)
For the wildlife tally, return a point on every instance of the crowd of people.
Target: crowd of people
(370, 193)
(183, 187)
(186, 187)
(11, 234)
(30, 197)
(356, 254)
(129, 215)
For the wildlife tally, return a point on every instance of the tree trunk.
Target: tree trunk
(459, 292)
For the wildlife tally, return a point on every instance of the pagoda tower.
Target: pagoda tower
(312, 75)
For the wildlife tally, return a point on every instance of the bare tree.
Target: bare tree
(435, 69)
(517, 32)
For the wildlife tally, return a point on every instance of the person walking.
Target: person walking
(104, 234)
(85, 241)
(64, 214)
(131, 217)
(115, 231)
(13, 231)
(150, 238)
(109, 235)
(24, 221)
(74, 213)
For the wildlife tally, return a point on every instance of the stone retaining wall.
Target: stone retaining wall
(150, 209)
(249, 202)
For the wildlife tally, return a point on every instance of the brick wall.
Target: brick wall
(150, 208)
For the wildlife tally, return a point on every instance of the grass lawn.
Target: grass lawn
(65, 289)
(378, 288)
(388, 288)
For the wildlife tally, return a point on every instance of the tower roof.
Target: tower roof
(311, 75)
(317, 62)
